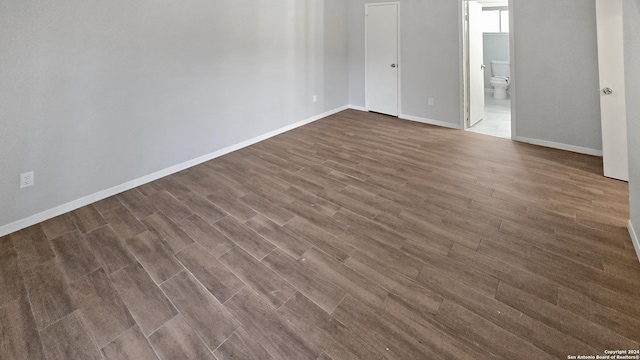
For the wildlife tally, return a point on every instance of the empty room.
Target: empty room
(319, 179)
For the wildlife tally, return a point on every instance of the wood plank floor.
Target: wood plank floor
(359, 236)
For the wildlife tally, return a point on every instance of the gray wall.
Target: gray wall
(496, 47)
(97, 93)
(631, 12)
(556, 73)
(94, 94)
(429, 58)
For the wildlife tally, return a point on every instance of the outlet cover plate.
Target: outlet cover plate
(26, 179)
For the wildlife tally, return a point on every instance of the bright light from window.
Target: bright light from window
(491, 21)
(495, 21)
(504, 21)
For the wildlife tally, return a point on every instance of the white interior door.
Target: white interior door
(612, 95)
(382, 58)
(476, 65)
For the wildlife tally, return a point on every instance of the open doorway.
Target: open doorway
(487, 66)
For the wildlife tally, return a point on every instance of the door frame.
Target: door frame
(464, 66)
(366, 53)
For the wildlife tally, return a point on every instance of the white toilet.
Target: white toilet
(500, 72)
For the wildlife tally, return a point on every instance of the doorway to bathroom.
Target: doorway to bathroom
(487, 67)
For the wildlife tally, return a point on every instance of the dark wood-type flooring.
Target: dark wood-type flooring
(359, 236)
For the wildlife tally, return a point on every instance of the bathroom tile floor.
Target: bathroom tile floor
(497, 118)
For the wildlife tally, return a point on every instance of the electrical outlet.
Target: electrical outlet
(26, 179)
(431, 101)
(315, 98)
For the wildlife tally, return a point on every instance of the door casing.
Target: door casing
(464, 71)
(475, 91)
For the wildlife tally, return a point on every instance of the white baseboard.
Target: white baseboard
(429, 121)
(90, 199)
(415, 118)
(555, 145)
(356, 107)
(634, 239)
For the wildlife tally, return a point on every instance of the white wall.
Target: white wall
(429, 59)
(556, 72)
(496, 47)
(631, 12)
(94, 94)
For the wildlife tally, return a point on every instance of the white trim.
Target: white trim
(462, 66)
(555, 145)
(366, 52)
(356, 107)
(90, 199)
(634, 239)
(429, 121)
(415, 118)
(512, 71)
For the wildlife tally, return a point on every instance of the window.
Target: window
(504, 21)
(495, 20)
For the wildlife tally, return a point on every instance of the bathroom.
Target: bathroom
(491, 18)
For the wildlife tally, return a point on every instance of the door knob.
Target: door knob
(607, 91)
(393, 65)
(483, 66)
